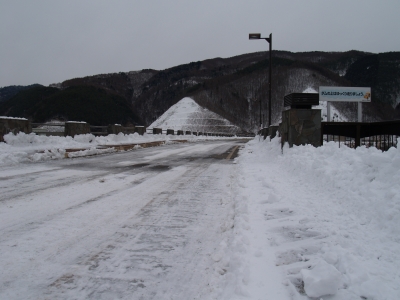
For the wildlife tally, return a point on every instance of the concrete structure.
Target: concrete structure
(272, 130)
(114, 129)
(157, 130)
(140, 129)
(74, 128)
(264, 132)
(14, 125)
(170, 131)
(129, 130)
(301, 127)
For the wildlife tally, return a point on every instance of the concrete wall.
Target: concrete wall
(272, 130)
(140, 129)
(75, 128)
(14, 125)
(301, 127)
(114, 129)
(157, 130)
(129, 130)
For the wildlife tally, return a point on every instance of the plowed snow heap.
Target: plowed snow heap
(187, 115)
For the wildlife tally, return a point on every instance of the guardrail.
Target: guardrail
(99, 130)
(43, 129)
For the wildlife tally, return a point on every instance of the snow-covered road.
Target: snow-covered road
(191, 221)
(145, 224)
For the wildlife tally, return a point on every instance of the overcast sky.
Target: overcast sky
(49, 41)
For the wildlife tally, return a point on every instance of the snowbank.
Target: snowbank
(326, 219)
(31, 147)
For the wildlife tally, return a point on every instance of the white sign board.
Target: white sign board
(344, 94)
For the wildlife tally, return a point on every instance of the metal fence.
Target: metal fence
(381, 135)
(99, 130)
(382, 142)
(53, 129)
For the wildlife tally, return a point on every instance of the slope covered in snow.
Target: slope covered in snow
(336, 116)
(188, 115)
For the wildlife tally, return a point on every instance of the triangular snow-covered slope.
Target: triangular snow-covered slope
(188, 115)
(336, 116)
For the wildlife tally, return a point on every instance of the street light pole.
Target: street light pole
(270, 80)
(257, 36)
(260, 115)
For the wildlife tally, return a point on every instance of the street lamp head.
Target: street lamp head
(254, 36)
(269, 39)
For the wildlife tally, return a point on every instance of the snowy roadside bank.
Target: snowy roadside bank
(31, 147)
(317, 222)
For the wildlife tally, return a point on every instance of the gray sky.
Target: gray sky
(49, 41)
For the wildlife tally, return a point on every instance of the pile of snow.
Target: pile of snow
(324, 279)
(323, 221)
(31, 147)
(188, 115)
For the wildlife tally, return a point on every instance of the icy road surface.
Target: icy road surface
(144, 224)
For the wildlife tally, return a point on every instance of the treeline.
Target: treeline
(77, 103)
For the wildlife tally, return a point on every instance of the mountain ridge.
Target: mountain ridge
(233, 87)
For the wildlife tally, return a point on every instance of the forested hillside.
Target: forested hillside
(10, 91)
(382, 73)
(79, 103)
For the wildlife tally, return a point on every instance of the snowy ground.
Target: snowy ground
(325, 220)
(184, 222)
